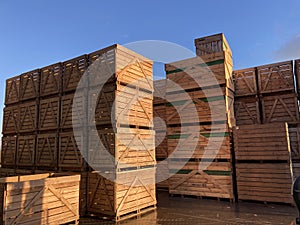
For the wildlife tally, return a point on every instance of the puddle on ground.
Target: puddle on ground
(184, 211)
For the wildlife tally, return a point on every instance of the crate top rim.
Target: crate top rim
(50, 66)
(255, 126)
(214, 37)
(36, 177)
(244, 70)
(275, 64)
(122, 48)
(216, 54)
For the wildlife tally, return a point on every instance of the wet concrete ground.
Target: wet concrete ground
(185, 211)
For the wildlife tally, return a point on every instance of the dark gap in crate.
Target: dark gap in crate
(135, 87)
(261, 161)
(196, 89)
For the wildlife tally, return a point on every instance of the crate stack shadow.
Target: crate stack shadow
(199, 115)
(267, 113)
(160, 127)
(48, 126)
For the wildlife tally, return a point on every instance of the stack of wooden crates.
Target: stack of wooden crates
(265, 95)
(206, 88)
(39, 127)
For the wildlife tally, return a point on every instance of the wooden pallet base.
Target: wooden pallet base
(201, 197)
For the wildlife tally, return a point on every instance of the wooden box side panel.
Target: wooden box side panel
(205, 141)
(245, 82)
(8, 151)
(209, 71)
(102, 66)
(135, 190)
(215, 181)
(73, 70)
(30, 85)
(70, 157)
(73, 104)
(11, 118)
(160, 88)
(101, 195)
(46, 151)
(247, 111)
(12, 92)
(49, 114)
(51, 201)
(28, 117)
(135, 148)
(280, 108)
(25, 150)
(51, 78)
(276, 77)
(133, 69)
(264, 182)
(261, 142)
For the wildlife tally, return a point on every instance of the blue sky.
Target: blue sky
(37, 33)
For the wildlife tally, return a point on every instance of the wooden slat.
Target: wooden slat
(28, 117)
(25, 151)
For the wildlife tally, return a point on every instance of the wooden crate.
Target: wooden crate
(129, 147)
(297, 73)
(296, 169)
(69, 156)
(215, 181)
(280, 108)
(12, 91)
(194, 110)
(245, 82)
(39, 199)
(247, 110)
(11, 118)
(276, 77)
(73, 71)
(160, 88)
(262, 142)
(132, 194)
(49, 113)
(8, 151)
(206, 142)
(266, 182)
(28, 117)
(26, 151)
(117, 63)
(209, 71)
(67, 101)
(29, 88)
(121, 104)
(211, 44)
(46, 151)
(51, 77)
